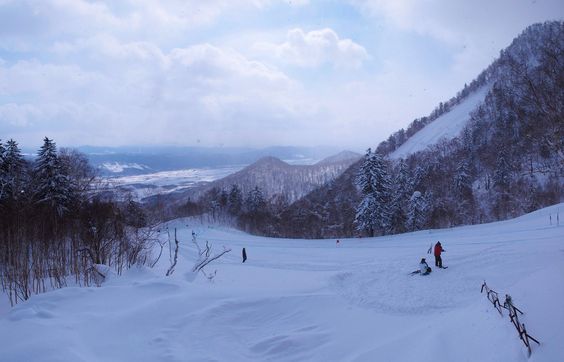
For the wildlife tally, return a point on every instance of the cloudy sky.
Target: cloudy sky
(242, 72)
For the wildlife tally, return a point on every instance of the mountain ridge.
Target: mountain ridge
(278, 181)
(506, 158)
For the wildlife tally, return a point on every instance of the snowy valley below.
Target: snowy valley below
(145, 185)
(312, 300)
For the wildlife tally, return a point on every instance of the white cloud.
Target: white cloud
(29, 24)
(476, 30)
(178, 71)
(134, 93)
(315, 48)
(17, 115)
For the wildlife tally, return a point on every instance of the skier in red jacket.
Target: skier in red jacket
(438, 250)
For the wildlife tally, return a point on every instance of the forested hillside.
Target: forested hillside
(54, 230)
(507, 160)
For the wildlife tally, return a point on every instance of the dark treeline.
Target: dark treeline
(249, 211)
(54, 229)
(507, 161)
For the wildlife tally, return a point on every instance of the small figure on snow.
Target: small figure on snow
(438, 250)
(338, 242)
(244, 255)
(424, 268)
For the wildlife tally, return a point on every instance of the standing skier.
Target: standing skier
(438, 250)
(244, 252)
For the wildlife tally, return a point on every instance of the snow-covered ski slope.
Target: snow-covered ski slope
(304, 300)
(447, 126)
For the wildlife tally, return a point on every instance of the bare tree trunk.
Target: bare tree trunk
(171, 269)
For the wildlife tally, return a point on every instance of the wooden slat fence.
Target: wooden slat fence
(514, 313)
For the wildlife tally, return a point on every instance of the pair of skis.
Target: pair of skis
(419, 271)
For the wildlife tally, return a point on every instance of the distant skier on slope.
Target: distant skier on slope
(244, 252)
(424, 268)
(438, 250)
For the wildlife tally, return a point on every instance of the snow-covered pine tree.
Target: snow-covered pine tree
(419, 178)
(462, 180)
(502, 181)
(52, 185)
(402, 190)
(2, 172)
(364, 219)
(255, 202)
(13, 169)
(462, 196)
(502, 174)
(372, 214)
(417, 212)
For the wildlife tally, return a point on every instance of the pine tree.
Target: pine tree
(502, 174)
(53, 186)
(255, 202)
(463, 182)
(402, 189)
(365, 215)
(14, 167)
(372, 214)
(3, 173)
(417, 212)
(463, 194)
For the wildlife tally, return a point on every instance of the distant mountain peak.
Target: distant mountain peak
(278, 179)
(340, 157)
(269, 160)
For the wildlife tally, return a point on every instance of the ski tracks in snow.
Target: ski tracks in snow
(264, 329)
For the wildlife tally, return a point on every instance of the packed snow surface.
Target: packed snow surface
(446, 126)
(313, 300)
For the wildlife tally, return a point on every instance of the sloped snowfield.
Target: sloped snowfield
(446, 126)
(303, 300)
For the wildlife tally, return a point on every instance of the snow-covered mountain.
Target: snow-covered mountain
(277, 179)
(526, 52)
(130, 161)
(493, 151)
(312, 300)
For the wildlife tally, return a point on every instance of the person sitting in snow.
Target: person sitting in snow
(424, 268)
(438, 250)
